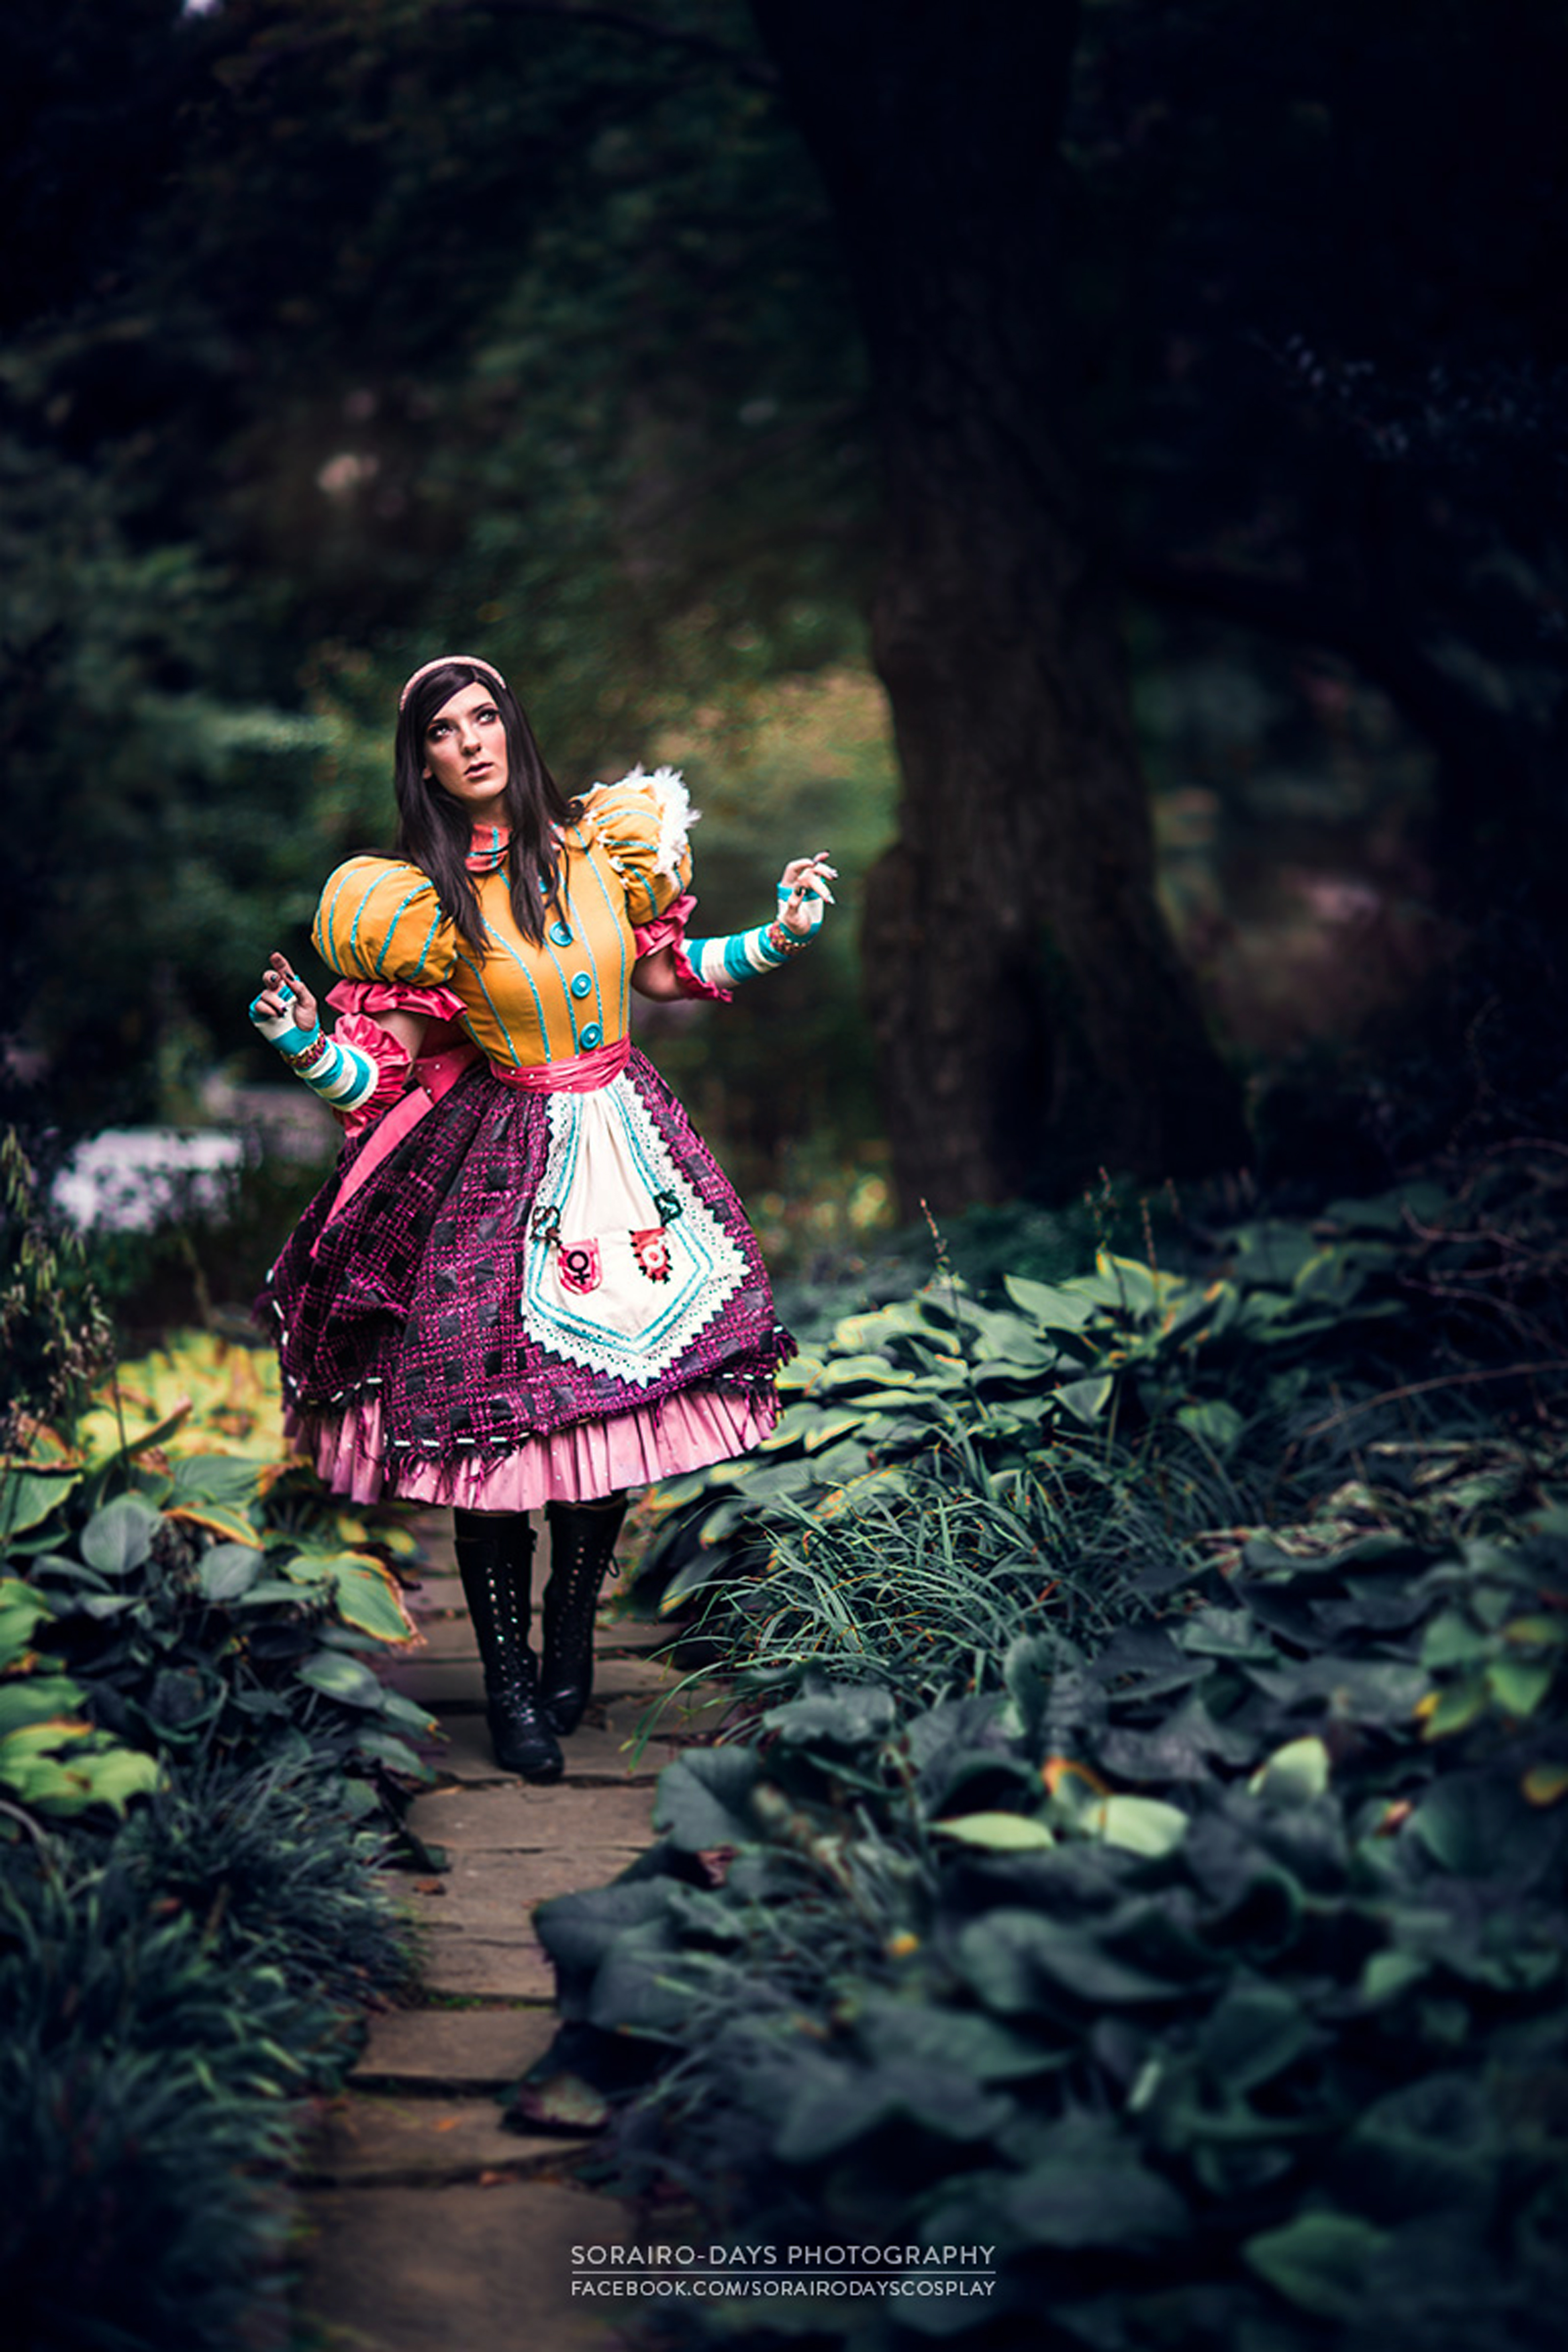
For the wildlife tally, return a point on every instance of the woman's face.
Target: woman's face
(465, 749)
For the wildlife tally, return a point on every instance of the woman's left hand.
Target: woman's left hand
(804, 893)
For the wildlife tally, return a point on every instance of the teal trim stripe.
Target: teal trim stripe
(470, 965)
(353, 946)
(566, 996)
(405, 901)
(429, 939)
(326, 944)
(618, 913)
(537, 1005)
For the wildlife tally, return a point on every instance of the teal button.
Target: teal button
(592, 1035)
(582, 984)
(561, 935)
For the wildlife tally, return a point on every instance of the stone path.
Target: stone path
(430, 2227)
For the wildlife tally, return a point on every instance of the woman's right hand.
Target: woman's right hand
(271, 1007)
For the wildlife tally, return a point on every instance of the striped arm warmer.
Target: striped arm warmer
(721, 962)
(341, 1074)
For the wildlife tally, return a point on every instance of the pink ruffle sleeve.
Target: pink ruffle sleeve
(358, 1002)
(390, 1058)
(395, 996)
(668, 930)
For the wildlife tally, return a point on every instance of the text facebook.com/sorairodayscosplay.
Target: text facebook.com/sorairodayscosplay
(725, 2273)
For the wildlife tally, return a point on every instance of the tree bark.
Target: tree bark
(1033, 1020)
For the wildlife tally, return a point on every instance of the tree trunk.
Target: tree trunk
(1033, 1020)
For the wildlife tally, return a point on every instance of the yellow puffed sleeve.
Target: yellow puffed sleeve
(379, 920)
(641, 826)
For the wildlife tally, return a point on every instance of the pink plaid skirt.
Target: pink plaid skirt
(531, 1295)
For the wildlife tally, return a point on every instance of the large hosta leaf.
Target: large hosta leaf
(28, 1496)
(228, 1569)
(1253, 2033)
(36, 1698)
(703, 1798)
(1092, 2190)
(1014, 1959)
(1137, 1824)
(837, 2102)
(368, 1596)
(1318, 2262)
(119, 1537)
(916, 2033)
(1475, 1824)
(21, 1611)
(846, 1717)
(998, 1833)
(343, 1678)
(1048, 1304)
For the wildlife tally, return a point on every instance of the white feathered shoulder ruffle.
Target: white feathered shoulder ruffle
(641, 823)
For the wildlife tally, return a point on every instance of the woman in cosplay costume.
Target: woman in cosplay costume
(528, 1284)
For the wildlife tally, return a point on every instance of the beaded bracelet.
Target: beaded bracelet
(309, 1040)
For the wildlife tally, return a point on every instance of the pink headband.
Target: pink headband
(443, 662)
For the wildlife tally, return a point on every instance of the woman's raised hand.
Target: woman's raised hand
(804, 894)
(273, 1005)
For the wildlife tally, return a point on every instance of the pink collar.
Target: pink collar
(487, 849)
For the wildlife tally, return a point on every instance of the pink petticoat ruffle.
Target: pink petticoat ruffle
(688, 1430)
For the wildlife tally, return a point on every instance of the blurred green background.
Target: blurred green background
(331, 336)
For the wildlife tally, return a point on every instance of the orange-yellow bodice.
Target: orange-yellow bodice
(625, 861)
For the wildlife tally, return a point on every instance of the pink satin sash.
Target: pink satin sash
(435, 1075)
(583, 1073)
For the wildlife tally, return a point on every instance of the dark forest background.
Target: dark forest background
(1099, 469)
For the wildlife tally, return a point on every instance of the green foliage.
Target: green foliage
(197, 1764)
(1195, 1932)
(178, 1645)
(217, 1605)
(416, 327)
(1195, 1370)
(1189, 1966)
(53, 1334)
(154, 2060)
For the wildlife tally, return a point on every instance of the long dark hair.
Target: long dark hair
(434, 831)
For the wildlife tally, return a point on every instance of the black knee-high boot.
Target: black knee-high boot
(495, 1560)
(582, 1542)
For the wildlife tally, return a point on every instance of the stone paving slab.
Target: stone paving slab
(638, 1633)
(374, 2141)
(476, 2269)
(433, 2225)
(496, 1893)
(438, 1683)
(437, 1587)
(486, 1966)
(512, 1818)
(451, 2050)
(619, 1677)
(444, 1638)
